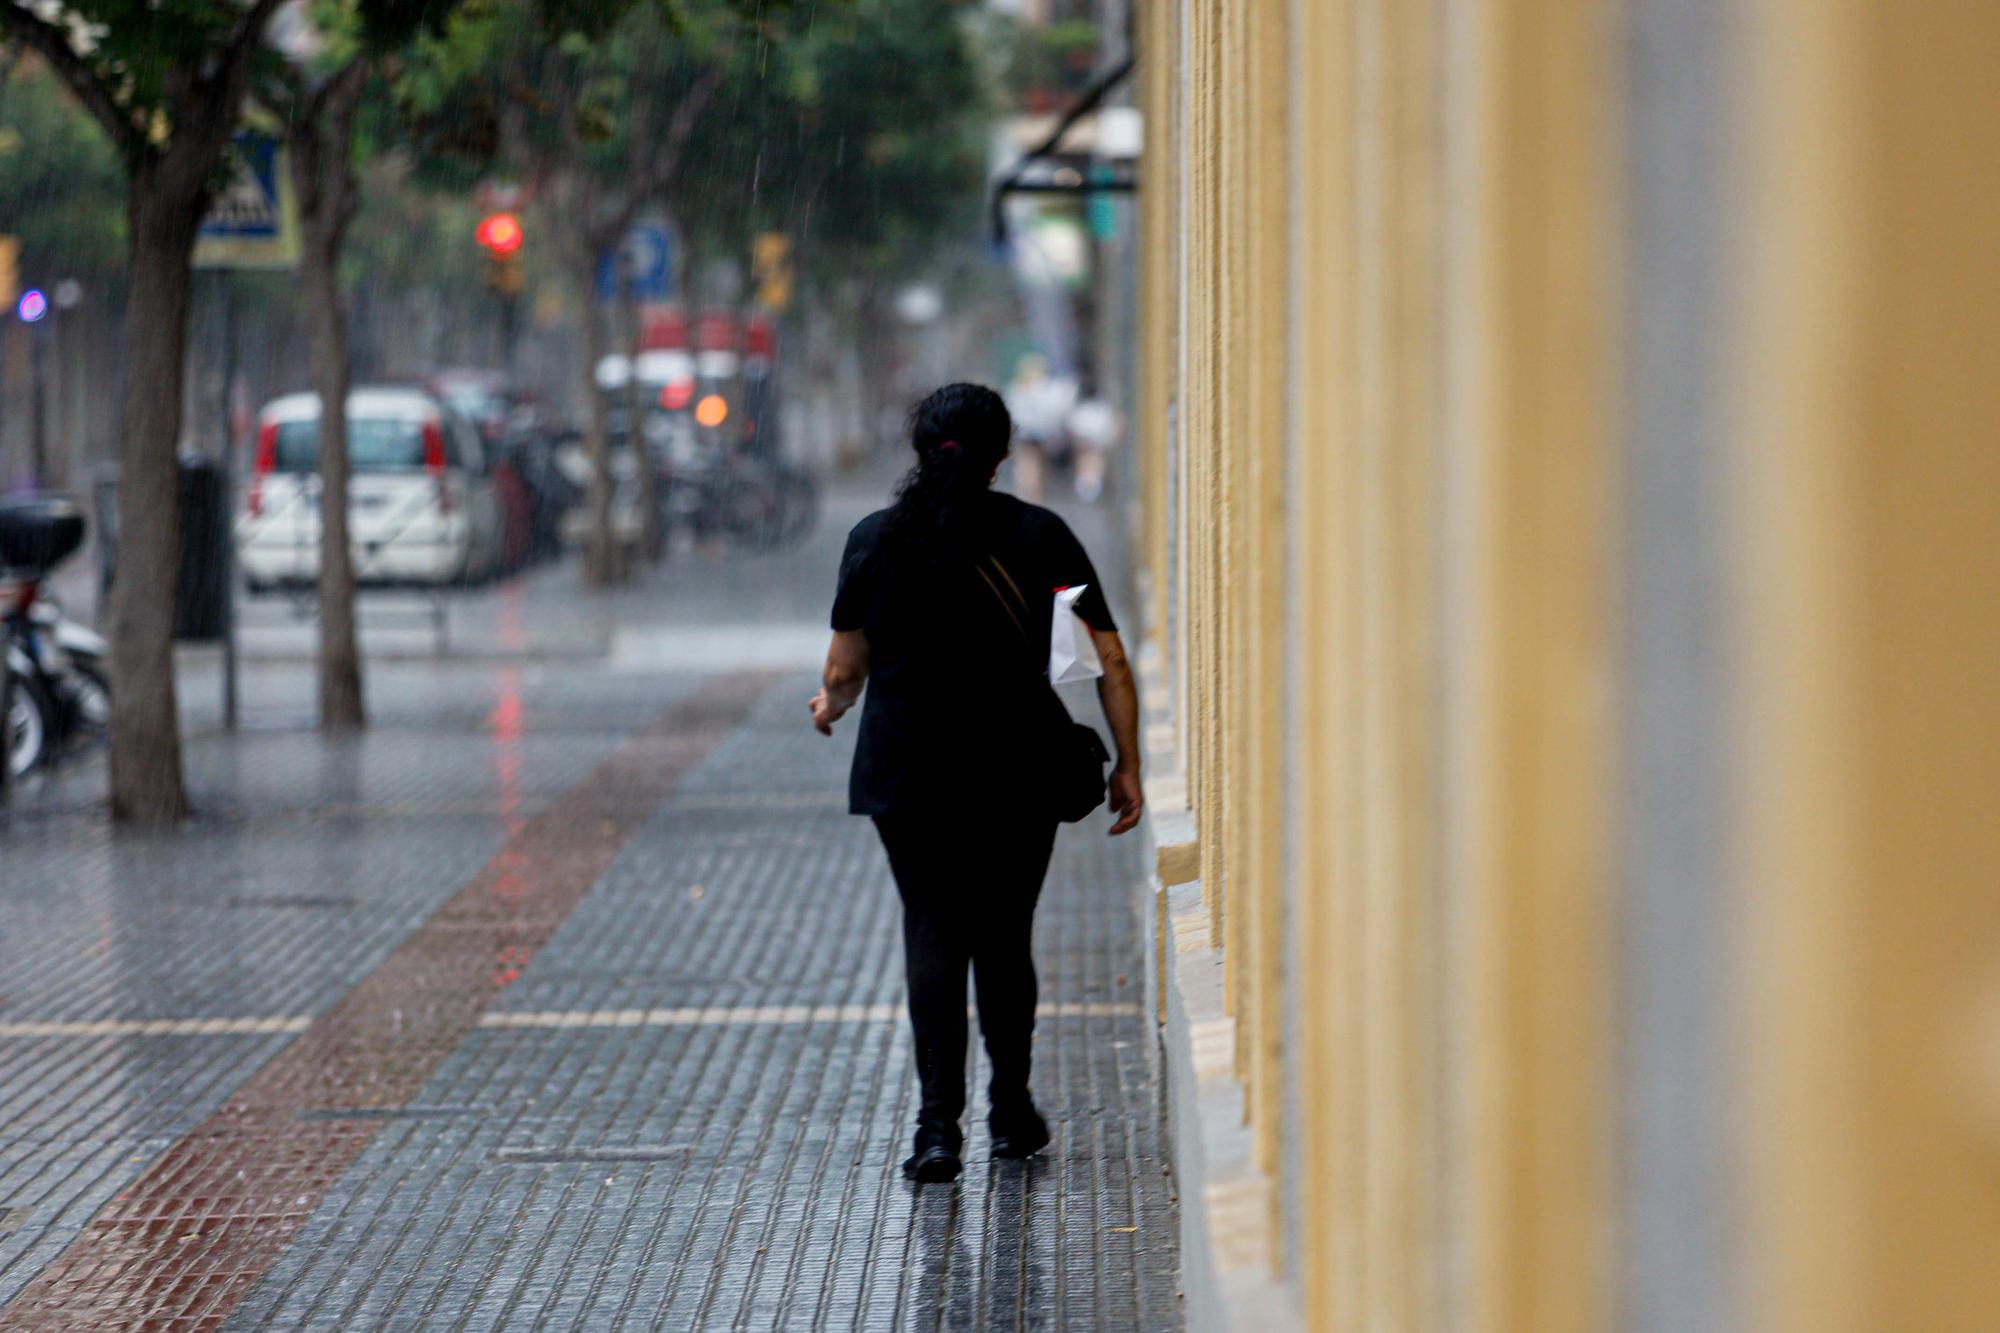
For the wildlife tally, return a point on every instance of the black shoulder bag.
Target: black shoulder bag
(1076, 752)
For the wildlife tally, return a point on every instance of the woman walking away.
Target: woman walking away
(944, 607)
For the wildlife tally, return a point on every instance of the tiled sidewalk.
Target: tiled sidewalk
(673, 1097)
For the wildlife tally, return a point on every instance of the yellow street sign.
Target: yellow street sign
(771, 266)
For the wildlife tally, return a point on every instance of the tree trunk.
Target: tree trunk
(652, 537)
(340, 697)
(145, 743)
(602, 559)
(325, 187)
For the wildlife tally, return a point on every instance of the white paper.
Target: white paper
(1072, 652)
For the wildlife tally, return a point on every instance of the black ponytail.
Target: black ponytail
(960, 434)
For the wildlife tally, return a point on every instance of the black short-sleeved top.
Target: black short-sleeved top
(955, 715)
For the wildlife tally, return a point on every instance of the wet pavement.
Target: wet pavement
(568, 996)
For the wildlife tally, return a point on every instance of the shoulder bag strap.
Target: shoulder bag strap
(1019, 596)
(1018, 620)
(1060, 722)
(1006, 605)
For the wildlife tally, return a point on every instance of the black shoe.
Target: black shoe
(1020, 1132)
(934, 1157)
(933, 1165)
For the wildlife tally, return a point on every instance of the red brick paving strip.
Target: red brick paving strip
(195, 1232)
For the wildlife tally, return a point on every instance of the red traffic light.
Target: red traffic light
(500, 233)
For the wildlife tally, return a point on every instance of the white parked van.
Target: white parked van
(421, 503)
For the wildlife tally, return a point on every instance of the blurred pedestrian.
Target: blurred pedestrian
(1094, 428)
(1040, 404)
(945, 603)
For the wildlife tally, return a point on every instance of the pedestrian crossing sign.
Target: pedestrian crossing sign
(253, 221)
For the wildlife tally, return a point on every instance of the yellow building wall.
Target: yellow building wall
(1309, 279)
(1383, 435)
(1868, 483)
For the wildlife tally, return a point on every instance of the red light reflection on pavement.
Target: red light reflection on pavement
(511, 961)
(506, 724)
(513, 623)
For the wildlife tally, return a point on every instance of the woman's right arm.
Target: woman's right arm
(1119, 694)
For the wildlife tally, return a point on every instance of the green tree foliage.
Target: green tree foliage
(896, 150)
(859, 130)
(145, 69)
(856, 126)
(528, 87)
(60, 180)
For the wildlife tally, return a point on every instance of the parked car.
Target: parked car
(482, 397)
(517, 510)
(422, 506)
(531, 454)
(521, 443)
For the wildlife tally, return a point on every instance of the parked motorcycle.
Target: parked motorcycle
(81, 678)
(46, 693)
(30, 714)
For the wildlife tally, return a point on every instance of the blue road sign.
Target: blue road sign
(253, 222)
(646, 257)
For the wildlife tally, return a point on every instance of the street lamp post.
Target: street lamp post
(66, 380)
(38, 385)
(31, 309)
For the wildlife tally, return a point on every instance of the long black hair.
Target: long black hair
(960, 434)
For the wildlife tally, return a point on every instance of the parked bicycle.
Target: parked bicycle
(763, 504)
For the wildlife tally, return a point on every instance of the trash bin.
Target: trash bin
(201, 585)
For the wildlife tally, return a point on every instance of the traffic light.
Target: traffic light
(10, 270)
(500, 235)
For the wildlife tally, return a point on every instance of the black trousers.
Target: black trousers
(968, 901)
